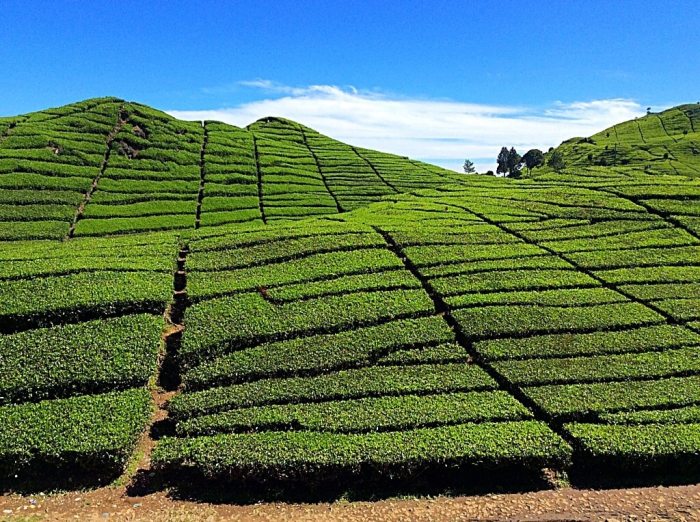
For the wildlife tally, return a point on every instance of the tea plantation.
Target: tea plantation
(329, 313)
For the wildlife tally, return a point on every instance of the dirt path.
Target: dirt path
(680, 503)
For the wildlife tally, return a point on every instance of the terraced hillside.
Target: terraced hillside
(667, 142)
(106, 166)
(424, 323)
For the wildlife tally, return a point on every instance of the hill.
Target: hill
(140, 169)
(420, 328)
(658, 143)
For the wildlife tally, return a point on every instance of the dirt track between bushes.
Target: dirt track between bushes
(679, 503)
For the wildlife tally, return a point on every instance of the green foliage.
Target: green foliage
(568, 344)
(533, 158)
(282, 250)
(43, 301)
(320, 352)
(344, 308)
(556, 161)
(577, 400)
(316, 267)
(345, 384)
(513, 163)
(93, 433)
(276, 454)
(210, 334)
(647, 447)
(659, 144)
(368, 414)
(602, 368)
(684, 414)
(495, 321)
(512, 280)
(557, 297)
(79, 358)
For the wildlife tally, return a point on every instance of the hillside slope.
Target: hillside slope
(106, 166)
(667, 142)
(416, 326)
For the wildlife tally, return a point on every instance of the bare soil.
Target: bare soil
(677, 503)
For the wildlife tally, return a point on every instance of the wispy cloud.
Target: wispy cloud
(442, 131)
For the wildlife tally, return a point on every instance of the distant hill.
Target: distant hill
(658, 143)
(107, 166)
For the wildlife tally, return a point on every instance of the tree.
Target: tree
(469, 166)
(556, 161)
(533, 158)
(515, 161)
(502, 161)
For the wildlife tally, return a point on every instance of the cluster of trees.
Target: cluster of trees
(510, 163)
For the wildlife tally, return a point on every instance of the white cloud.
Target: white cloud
(441, 131)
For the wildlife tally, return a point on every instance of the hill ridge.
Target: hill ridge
(666, 142)
(157, 171)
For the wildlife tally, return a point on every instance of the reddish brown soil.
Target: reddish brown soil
(680, 503)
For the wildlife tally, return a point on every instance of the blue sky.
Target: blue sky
(436, 80)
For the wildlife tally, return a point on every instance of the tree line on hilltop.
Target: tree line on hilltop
(510, 163)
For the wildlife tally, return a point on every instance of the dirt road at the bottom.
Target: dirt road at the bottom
(681, 503)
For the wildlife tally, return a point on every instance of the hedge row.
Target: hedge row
(215, 327)
(637, 257)
(265, 253)
(27, 197)
(486, 236)
(681, 309)
(44, 301)
(218, 203)
(439, 254)
(389, 280)
(29, 181)
(559, 297)
(653, 274)
(672, 206)
(594, 230)
(533, 279)
(95, 355)
(684, 414)
(495, 321)
(663, 290)
(148, 186)
(90, 433)
(319, 353)
(642, 339)
(123, 225)
(440, 354)
(15, 231)
(601, 368)
(25, 268)
(297, 454)
(666, 447)
(204, 240)
(135, 209)
(362, 415)
(345, 384)
(577, 400)
(319, 266)
(549, 224)
(648, 238)
(41, 212)
(246, 216)
(500, 265)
